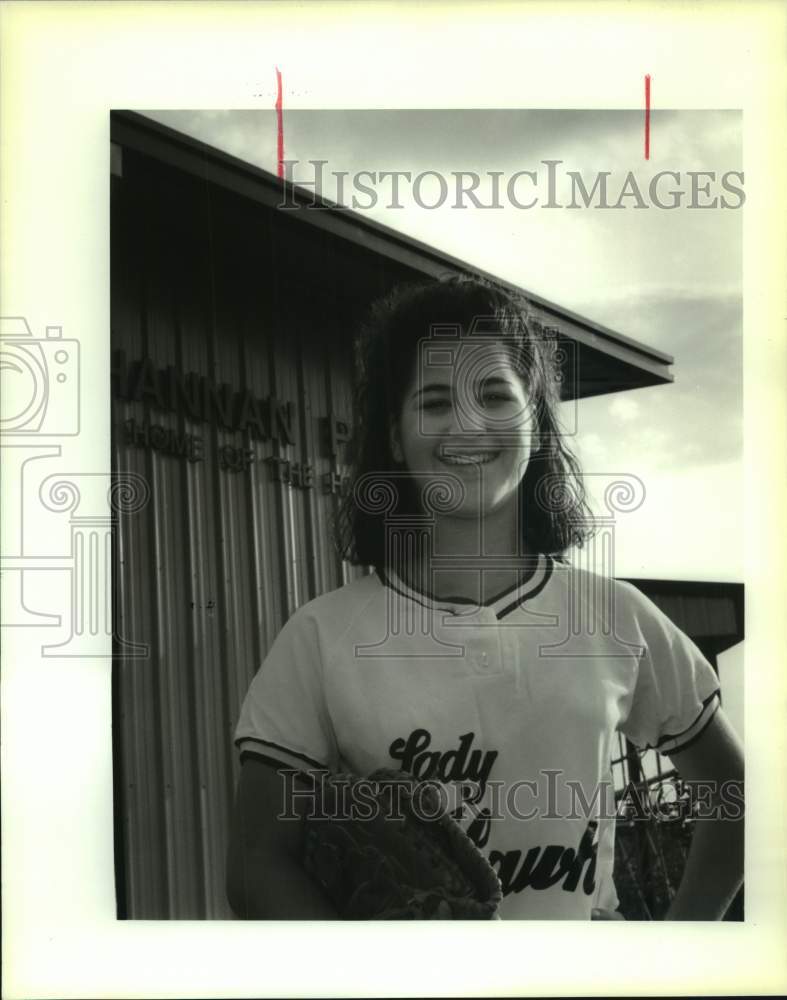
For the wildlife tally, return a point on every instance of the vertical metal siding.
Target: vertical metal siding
(210, 570)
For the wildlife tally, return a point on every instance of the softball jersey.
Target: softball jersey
(512, 706)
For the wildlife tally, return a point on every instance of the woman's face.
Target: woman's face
(466, 413)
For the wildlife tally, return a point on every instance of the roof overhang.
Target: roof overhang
(599, 360)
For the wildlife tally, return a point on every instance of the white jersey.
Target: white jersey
(512, 706)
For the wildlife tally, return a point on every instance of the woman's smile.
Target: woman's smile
(463, 456)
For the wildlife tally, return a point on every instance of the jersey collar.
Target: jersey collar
(503, 604)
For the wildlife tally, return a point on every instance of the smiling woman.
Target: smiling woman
(456, 383)
(475, 655)
(472, 431)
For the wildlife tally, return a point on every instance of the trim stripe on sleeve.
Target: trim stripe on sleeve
(276, 746)
(250, 753)
(670, 744)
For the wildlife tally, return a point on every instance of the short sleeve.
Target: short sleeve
(284, 716)
(676, 692)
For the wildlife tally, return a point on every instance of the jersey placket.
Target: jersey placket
(480, 635)
(478, 628)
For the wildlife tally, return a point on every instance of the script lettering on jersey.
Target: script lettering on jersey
(544, 867)
(459, 764)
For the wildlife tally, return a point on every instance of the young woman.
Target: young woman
(475, 654)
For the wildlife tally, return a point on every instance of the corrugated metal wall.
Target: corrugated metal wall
(206, 575)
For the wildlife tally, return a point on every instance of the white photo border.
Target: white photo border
(64, 66)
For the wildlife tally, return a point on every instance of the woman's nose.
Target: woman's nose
(467, 415)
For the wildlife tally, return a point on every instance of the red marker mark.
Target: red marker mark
(279, 127)
(647, 117)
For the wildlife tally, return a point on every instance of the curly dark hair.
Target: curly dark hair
(552, 498)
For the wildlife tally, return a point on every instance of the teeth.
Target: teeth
(479, 458)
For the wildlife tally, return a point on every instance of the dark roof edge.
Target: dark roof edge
(350, 225)
(736, 592)
(731, 587)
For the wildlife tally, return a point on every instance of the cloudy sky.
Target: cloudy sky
(670, 279)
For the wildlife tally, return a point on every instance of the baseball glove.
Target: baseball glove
(383, 848)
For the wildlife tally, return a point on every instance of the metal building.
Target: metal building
(232, 322)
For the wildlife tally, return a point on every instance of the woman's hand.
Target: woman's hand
(599, 914)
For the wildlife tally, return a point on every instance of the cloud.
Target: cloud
(624, 408)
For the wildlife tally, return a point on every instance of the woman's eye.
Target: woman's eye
(436, 404)
(496, 398)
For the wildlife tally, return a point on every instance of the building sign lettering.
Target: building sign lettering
(164, 440)
(201, 399)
